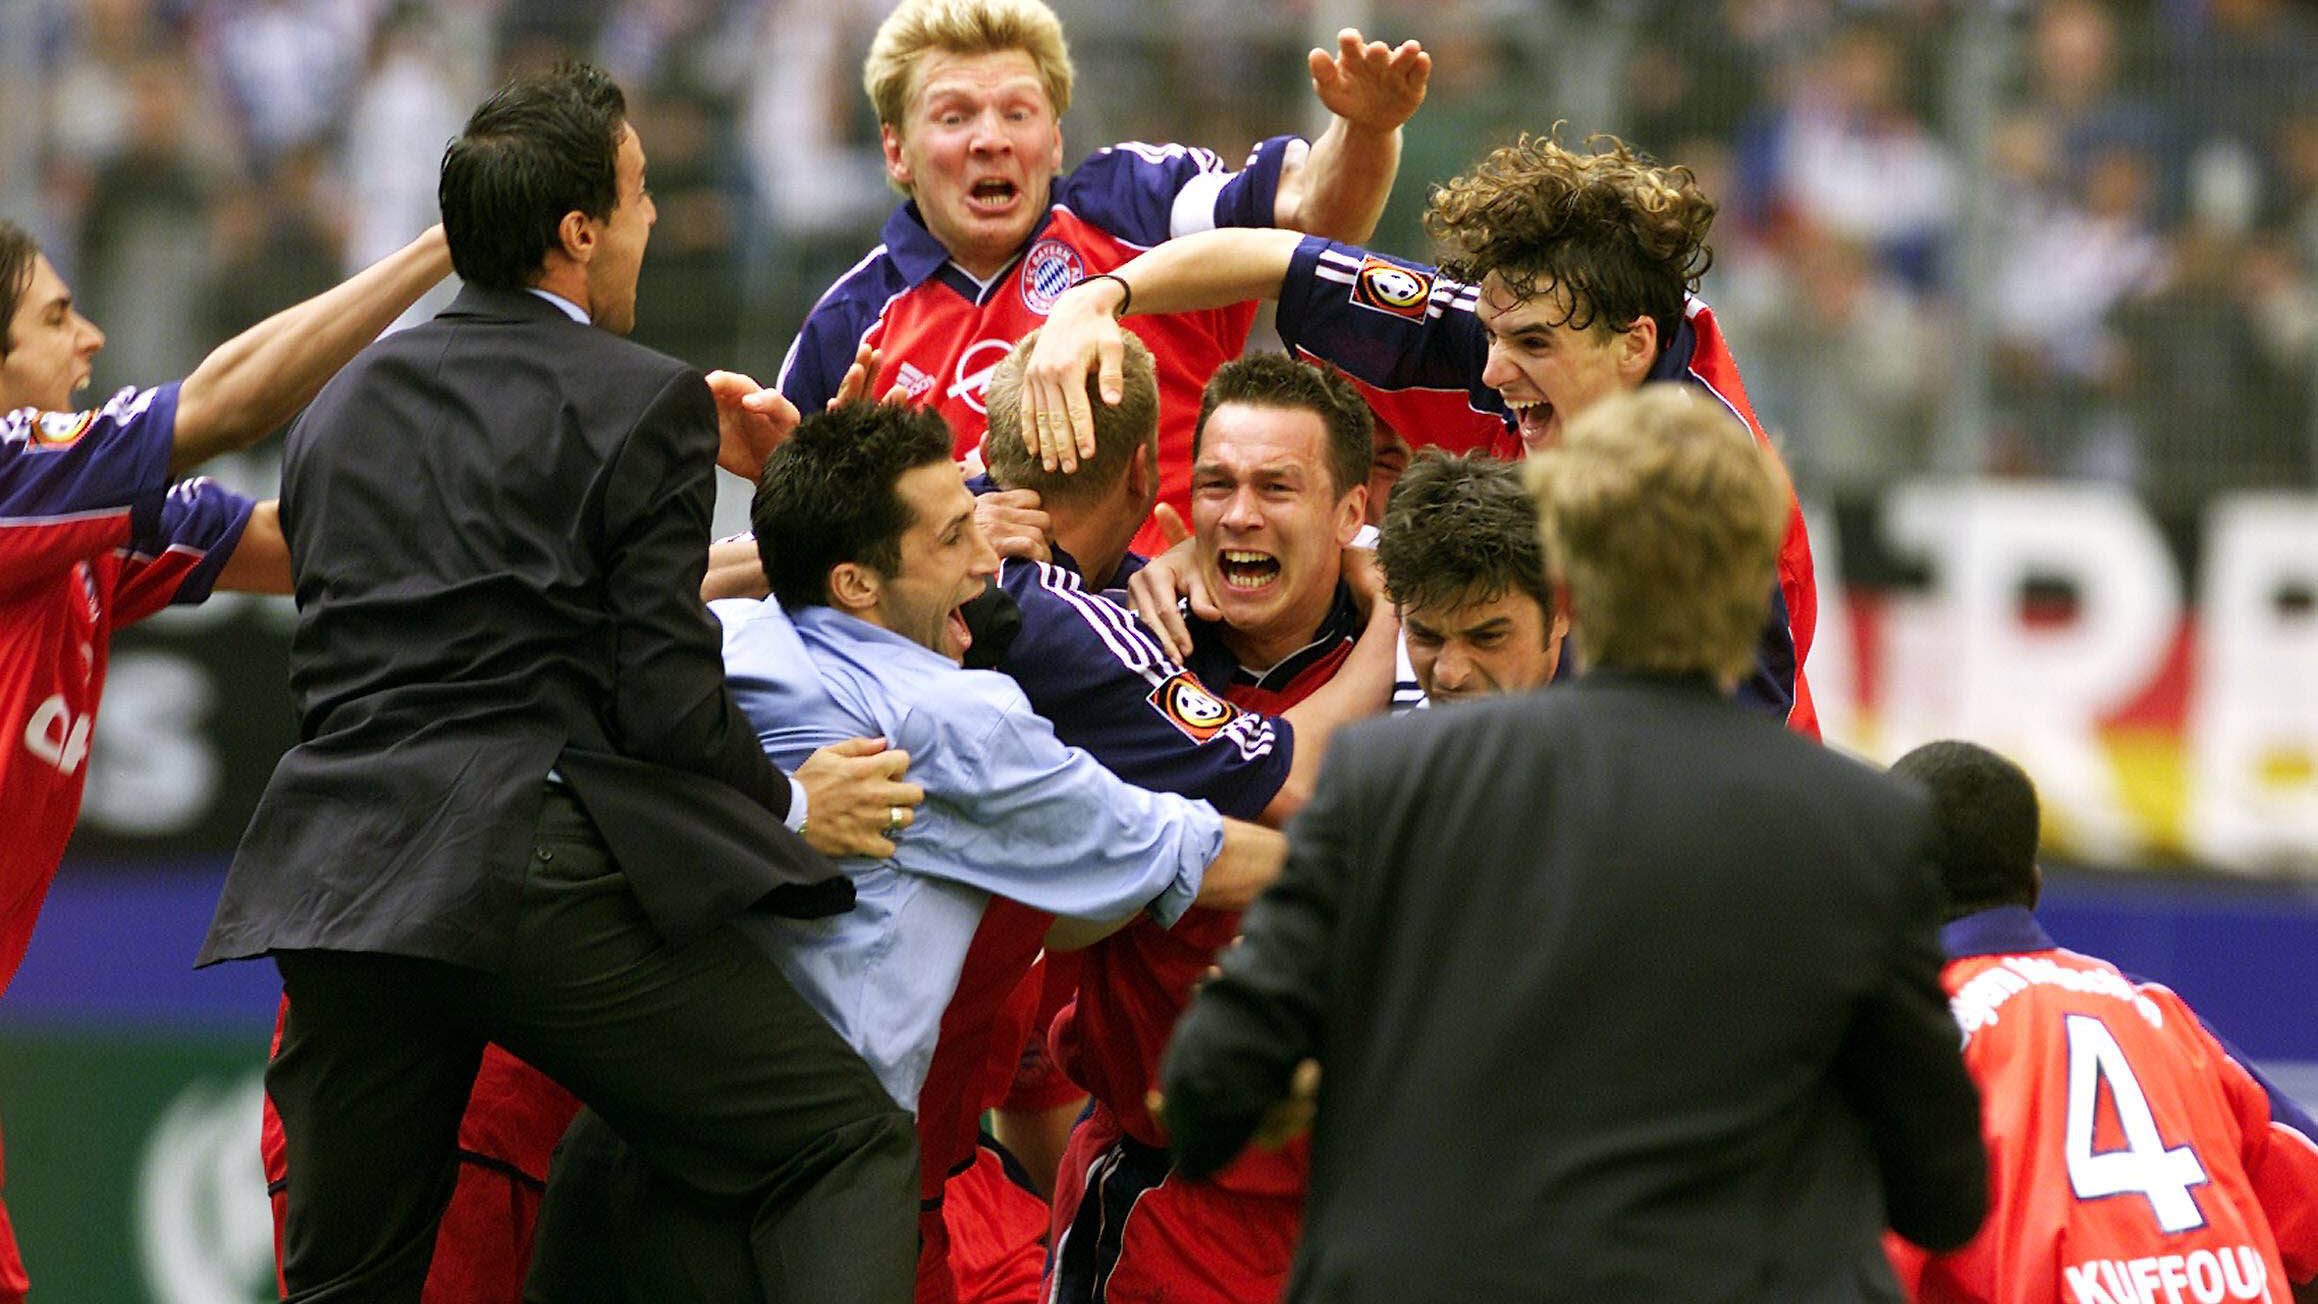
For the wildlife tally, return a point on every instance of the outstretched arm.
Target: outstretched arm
(259, 378)
(1339, 189)
(1209, 269)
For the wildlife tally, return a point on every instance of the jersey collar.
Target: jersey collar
(1674, 363)
(1214, 663)
(919, 257)
(2001, 930)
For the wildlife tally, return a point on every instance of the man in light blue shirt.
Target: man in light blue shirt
(871, 546)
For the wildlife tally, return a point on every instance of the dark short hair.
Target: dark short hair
(1122, 430)
(1984, 818)
(1461, 529)
(1275, 380)
(18, 250)
(544, 146)
(827, 494)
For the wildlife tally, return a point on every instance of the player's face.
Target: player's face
(945, 562)
(620, 242)
(1269, 526)
(1388, 458)
(1548, 371)
(978, 150)
(1475, 648)
(50, 345)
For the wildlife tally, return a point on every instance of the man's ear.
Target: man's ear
(1143, 475)
(896, 166)
(1637, 347)
(1351, 514)
(576, 235)
(854, 588)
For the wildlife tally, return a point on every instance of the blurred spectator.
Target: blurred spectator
(287, 66)
(688, 304)
(144, 248)
(2241, 68)
(2217, 397)
(2075, 239)
(276, 249)
(405, 109)
(1846, 153)
(1841, 358)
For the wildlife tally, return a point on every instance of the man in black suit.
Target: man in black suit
(1619, 991)
(524, 807)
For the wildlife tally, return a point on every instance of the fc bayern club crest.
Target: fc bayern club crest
(1050, 268)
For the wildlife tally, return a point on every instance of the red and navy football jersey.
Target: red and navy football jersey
(1111, 690)
(1409, 338)
(942, 332)
(2131, 1156)
(1137, 982)
(92, 537)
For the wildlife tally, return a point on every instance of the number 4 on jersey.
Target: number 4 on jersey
(2143, 1167)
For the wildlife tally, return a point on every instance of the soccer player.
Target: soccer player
(93, 536)
(969, 96)
(1279, 487)
(1570, 280)
(2132, 1157)
(1462, 562)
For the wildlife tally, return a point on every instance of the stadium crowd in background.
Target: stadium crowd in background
(2153, 169)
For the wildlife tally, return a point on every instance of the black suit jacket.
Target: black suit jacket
(1620, 992)
(498, 522)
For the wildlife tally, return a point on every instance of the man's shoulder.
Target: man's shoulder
(862, 291)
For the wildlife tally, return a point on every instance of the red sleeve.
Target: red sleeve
(2282, 1164)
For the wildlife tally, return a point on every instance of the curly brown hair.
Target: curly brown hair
(1623, 235)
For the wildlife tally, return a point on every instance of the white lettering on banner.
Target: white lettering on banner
(2253, 711)
(205, 1230)
(1973, 666)
(2206, 1276)
(159, 769)
(974, 367)
(55, 736)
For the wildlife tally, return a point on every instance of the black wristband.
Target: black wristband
(1126, 291)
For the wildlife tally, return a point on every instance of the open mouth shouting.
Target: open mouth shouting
(1245, 570)
(1534, 420)
(960, 634)
(993, 195)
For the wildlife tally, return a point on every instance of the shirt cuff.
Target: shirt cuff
(796, 817)
(1202, 842)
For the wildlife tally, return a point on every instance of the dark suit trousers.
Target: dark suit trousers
(704, 1058)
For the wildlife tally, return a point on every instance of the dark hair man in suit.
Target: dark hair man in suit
(2209, 1179)
(1463, 563)
(1620, 991)
(524, 808)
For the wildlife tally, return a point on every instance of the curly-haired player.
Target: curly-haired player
(1571, 276)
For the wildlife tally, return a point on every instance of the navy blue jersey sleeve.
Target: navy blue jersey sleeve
(1396, 325)
(1111, 691)
(57, 469)
(1770, 686)
(825, 344)
(177, 562)
(1145, 194)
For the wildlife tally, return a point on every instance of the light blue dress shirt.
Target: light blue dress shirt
(1009, 811)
